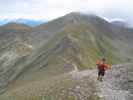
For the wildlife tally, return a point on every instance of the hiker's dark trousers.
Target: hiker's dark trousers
(101, 72)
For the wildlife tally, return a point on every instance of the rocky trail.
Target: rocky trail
(109, 89)
(79, 85)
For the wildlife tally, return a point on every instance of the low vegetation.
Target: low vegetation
(58, 88)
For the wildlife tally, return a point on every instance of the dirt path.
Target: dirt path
(108, 89)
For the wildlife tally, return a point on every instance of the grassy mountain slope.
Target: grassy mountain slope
(72, 42)
(76, 46)
(14, 44)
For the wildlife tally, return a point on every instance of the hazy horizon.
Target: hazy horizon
(52, 9)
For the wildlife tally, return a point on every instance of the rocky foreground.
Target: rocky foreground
(117, 84)
(79, 85)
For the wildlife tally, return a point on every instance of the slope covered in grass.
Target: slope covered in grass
(72, 42)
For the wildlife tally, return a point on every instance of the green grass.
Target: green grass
(78, 45)
(41, 75)
(74, 45)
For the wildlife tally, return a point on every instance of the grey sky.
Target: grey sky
(50, 9)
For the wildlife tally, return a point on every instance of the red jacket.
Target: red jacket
(102, 65)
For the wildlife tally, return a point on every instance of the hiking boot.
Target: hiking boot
(98, 78)
(101, 79)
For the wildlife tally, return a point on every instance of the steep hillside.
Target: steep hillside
(72, 42)
(14, 45)
(77, 45)
(44, 31)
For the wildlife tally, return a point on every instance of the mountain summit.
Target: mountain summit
(70, 43)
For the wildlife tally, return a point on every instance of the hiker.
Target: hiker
(102, 67)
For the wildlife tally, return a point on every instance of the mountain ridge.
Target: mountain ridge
(29, 22)
(74, 41)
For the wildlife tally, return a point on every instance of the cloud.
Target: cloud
(50, 9)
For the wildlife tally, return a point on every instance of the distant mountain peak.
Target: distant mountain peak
(16, 26)
(119, 23)
(29, 22)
